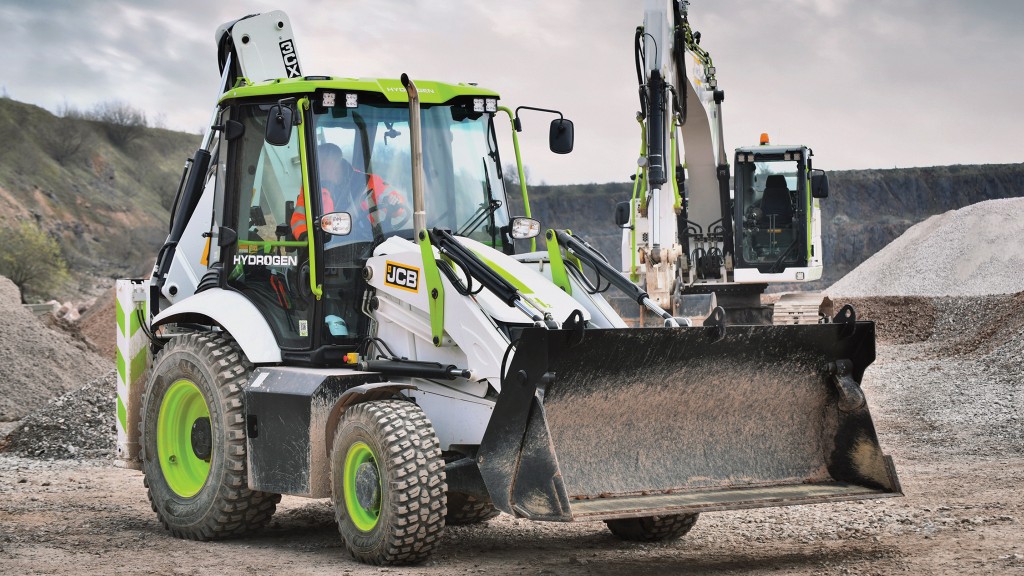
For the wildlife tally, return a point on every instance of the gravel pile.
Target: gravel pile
(97, 324)
(961, 392)
(898, 319)
(966, 252)
(38, 363)
(79, 424)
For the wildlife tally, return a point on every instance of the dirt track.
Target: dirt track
(959, 517)
(948, 404)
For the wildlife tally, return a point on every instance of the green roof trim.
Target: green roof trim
(431, 92)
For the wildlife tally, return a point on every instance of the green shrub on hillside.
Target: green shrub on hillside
(31, 259)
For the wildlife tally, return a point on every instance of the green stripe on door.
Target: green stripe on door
(122, 414)
(119, 313)
(121, 366)
(133, 325)
(138, 366)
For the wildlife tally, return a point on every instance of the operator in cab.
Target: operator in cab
(345, 189)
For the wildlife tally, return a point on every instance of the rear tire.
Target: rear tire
(388, 483)
(465, 509)
(652, 528)
(200, 376)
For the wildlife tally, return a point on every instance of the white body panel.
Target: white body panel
(472, 340)
(458, 418)
(265, 46)
(752, 276)
(819, 246)
(237, 315)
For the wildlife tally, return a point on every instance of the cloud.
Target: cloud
(879, 84)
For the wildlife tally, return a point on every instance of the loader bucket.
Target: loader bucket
(619, 423)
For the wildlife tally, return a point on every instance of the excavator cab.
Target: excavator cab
(773, 209)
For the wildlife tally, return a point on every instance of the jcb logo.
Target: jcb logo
(402, 277)
(291, 59)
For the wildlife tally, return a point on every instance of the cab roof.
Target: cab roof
(769, 149)
(431, 92)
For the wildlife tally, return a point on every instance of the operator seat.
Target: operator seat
(776, 201)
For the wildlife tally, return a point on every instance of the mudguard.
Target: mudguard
(235, 314)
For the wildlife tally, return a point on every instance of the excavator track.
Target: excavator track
(801, 308)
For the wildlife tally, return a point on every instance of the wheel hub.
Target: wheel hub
(368, 486)
(202, 439)
(182, 423)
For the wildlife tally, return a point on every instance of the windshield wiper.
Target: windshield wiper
(484, 212)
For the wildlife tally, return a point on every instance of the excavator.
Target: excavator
(690, 236)
(345, 308)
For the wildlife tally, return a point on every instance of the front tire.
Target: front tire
(193, 441)
(388, 483)
(653, 528)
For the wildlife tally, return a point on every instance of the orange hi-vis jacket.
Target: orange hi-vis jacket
(385, 199)
(298, 222)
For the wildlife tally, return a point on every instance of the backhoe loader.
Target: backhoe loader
(387, 336)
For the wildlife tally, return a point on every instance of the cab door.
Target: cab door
(264, 261)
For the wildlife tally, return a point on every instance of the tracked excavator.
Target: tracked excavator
(393, 341)
(693, 238)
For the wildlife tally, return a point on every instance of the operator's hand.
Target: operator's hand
(392, 209)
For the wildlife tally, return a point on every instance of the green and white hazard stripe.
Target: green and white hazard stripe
(132, 361)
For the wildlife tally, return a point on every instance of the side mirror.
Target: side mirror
(560, 136)
(622, 214)
(279, 125)
(524, 228)
(819, 184)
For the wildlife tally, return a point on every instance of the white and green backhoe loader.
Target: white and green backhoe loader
(392, 340)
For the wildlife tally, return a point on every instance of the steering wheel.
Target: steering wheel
(393, 213)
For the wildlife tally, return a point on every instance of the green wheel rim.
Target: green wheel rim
(184, 472)
(364, 519)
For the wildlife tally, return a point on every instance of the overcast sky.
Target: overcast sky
(866, 84)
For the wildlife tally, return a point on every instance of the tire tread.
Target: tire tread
(237, 511)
